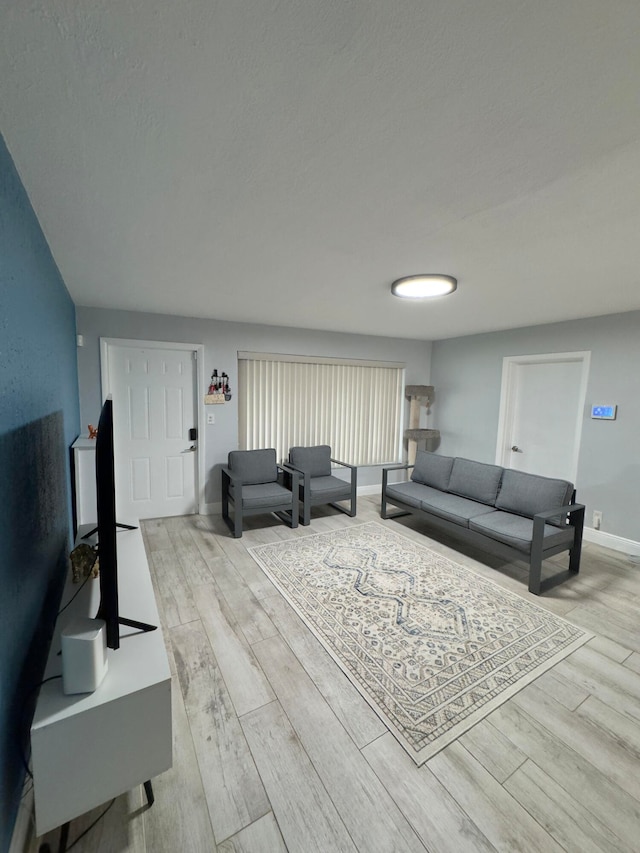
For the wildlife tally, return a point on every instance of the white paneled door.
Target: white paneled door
(154, 393)
(541, 413)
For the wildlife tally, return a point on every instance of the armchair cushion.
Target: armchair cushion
(330, 488)
(314, 460)
(254, 466)
(262, 495)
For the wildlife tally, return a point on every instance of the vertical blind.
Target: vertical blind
(354, 406)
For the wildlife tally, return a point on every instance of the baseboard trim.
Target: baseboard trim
(608, 540)
(598, 537)
(216, 508)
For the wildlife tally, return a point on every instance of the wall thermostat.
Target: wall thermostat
(604, 413)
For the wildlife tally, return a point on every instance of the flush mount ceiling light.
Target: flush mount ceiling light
(424, 286)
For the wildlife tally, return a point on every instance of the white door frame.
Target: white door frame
(510, 363)
(105, 343)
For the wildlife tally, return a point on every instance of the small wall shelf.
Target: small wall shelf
(219, 389)
(214, 399)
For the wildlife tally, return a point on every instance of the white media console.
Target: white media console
(88, 748)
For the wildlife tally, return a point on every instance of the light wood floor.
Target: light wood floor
(274, 750)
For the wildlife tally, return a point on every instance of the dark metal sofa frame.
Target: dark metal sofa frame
(575, 518)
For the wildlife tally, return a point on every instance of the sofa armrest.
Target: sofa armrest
(296, 474)
(387, 468)
(230, 475)
(289, 469)
(571, 510)
(229, 478)
(575, 512)
(344, 464)
(353, 480)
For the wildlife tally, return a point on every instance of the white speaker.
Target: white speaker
(84, 655)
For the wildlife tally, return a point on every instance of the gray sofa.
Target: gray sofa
(506, 512)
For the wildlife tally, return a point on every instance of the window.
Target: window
(354, 406)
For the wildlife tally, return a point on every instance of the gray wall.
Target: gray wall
(222, 341)
(467, 374)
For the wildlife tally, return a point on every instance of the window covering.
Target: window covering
(354, 406)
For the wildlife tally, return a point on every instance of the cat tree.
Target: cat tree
(420, 395)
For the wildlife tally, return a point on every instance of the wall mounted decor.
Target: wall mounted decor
(219, 390)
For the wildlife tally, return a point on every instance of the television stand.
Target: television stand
(64, 829)
(131, 623)
(87, 748)
(118, 524)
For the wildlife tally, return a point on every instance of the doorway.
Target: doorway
(541, 413)
(155, 387)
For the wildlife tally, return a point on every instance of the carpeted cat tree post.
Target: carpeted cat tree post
(420, 395)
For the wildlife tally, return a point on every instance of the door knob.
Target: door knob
(516, 449)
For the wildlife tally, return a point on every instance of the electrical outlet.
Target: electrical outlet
(597, 520)
(211, 419)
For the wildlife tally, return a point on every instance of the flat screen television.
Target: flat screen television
(108, 609)
(106, 504)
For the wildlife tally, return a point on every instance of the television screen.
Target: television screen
(107, 549)
(107, 529)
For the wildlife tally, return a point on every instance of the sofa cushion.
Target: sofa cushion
(432, 469)
(475, 480)
(527, 494)
(409, 493)
(254, 466)
(329, 488)
(517, 531)
(316, 460)
(263, 495)
(453, 507)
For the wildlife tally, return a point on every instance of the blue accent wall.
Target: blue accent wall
(39, 420)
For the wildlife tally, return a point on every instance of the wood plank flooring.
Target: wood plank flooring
(275, 750)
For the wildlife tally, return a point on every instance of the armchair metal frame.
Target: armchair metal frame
(308, 501)
(286, 511)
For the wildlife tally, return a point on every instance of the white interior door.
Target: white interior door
(541, 413)
(154, 391)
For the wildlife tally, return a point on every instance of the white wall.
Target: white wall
(467, 373)
(222, 341)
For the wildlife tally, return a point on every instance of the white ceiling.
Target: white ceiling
(282, 161)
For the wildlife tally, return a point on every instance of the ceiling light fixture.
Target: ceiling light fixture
(424, 286)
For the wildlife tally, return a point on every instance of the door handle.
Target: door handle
(516, 449)
(191, 449)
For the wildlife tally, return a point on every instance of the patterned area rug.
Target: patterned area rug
(431, 645)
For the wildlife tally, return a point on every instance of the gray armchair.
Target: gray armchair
(253, 483)
(317, 484)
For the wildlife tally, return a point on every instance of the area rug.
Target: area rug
(432, 646)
